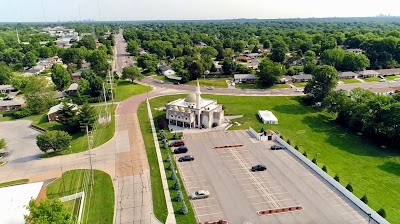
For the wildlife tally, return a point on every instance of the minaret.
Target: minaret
(198, 109)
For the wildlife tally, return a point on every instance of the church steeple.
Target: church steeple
(198, 93)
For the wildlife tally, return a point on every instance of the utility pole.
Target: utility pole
(105, 102)
(90, 145)
(110, 83)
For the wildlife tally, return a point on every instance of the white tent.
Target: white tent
(267, 117)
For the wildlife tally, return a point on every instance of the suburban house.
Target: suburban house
(243, 58)
(72, 89)
(389, 71)
(347, 75)
(164, 68)
(253, 64)
(218, 67)
(253, 55)
(76, 76)
(6, 89)
(355, 50)
(85, 66)
(267, 117)
(301, 78)
(383, 91)
(12, 104)
(246, 78)
(53, 113)
(368, 73)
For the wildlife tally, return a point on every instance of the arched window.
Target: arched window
(171, 115)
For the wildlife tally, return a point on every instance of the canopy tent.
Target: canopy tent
(267, 117)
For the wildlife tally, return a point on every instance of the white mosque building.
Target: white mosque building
(194, 111)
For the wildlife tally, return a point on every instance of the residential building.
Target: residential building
(347, 75)
(245, 78)
(6, 89)
(72, 89)
(12, 104)
(243, 58)
(301, 78)
(76, 76)
(389, 71)
(368, 73)
(53, 113)
(355, 50)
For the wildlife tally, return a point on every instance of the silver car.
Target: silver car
(199, 194)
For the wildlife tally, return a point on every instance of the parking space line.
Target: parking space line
(264, 182)
(206, 206)
(215, 213)
(267, 202)
(267, 195)
(193, 181)
(256, 189)
(198, 187)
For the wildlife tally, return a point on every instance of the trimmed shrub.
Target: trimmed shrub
(364, 199)
(171, 166)
(296, 147)
(325, 169)
(173, 176)
(305, 154)
(288, 141)
(349, 187)
(337, 178)
(314, 160)
(168, 159)
(176, 136)
(165, 145)
(184, 210)
(262, 130)
(382, 212)
(179, 196)
(177, 185)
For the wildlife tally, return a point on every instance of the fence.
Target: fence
(374, 215)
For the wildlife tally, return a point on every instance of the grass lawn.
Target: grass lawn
(280, 86)
(350, 81)
(14, 182)
(372, 79)
(355, 159)
(99, 203)
(391, 77)
(300, 84)
(160, 209)
(126, 89)
(256, 85)
(215, 82)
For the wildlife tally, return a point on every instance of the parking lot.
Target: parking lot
(237, 194)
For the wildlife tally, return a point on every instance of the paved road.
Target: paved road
(123, 58)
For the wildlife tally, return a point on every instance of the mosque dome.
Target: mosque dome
(176, 108)
(182, 109)
(191, 98)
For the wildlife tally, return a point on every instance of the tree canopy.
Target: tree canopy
(324, 80)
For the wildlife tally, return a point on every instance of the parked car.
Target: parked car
(396, 79)
(160, 81)
(259, 167)
(299, 90)
(382, 80)
(277, 147)
(210, 88)
(392, 81)
(186, 158)
(180, 149)
(177, 143)
(199, 194)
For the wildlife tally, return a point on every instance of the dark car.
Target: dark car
(277, 147)
(181, 149)
(186, 158)
(177, 143)
(259, 167)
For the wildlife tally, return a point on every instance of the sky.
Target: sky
(117, 10)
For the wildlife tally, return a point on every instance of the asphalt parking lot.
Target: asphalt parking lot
(237, 194)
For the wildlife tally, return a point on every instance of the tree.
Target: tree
(179, 196)
(239, 46)
(29, 59)
(255, 49)
(324, 80)
(148, 61)
(228, 66)
(39, 94)
(266, 44)
(173, 176)
(98, 61)
(333, 57)
(210, 51)
(53, 140)
(184, 210)
(48, 211)
(132, 47)
(132, 73)
(60, 77)
(68, 116)
(355, 62)
(5, 74)
(270, 72)
(88, 42)
(87, 117)
(84, 87)
(177, 185)
(328, 43)
(279, 49)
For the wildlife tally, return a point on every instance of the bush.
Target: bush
(162, 124)
(177, 185)
(184, 210)
(179, 196)
(305, 154)
(382, 212)
(337, 178)
(296, 147)
(349, 187)
(171, 166)
(176, 137)
(173, 176)
(262, 130)
(168, 159)
(325, 169)
(288, 141)
(364, 199)
(22, 112)
(314, 160)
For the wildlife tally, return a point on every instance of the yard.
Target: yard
(372, 79)
(350, 81)
(159, 206)
(215, 82)
(280, 86)
(300, 84)
(370, 169)
(125, 89)
(391, 77)
(99, 202)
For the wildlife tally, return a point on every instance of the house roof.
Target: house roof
(242, 57)
(77, 74)
(244, 76)
(389, 71)
(347, 74)
(13, 102)
(368, 72)
(164, 68)
(253, 55)
(59, 107)
(73, 87)
(306, 76)
(6, 87)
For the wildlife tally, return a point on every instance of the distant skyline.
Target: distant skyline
(126, 10)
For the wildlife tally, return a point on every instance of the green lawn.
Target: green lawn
(14, 182)
(350, 81)
(372, 79)
(99, 203)
(215, 82)
(391, 77)
(256, 85)
(300, 84)
(355, 159)
(160, 209)
(280, 86)
(126, 89)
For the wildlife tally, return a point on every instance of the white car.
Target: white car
(160, 81)
(210, 88)
(199, 194)
(392, 81)
(396, 79)
(382, 80)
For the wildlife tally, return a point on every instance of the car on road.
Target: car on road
(396, 79)
(177, 143)
(392, 81)
(382, 80)
(181, 149)
(199, 194)
(160, 81)
(277, 147)
(186, 158)
(299, 90)
(258, 167)
(210, 88)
